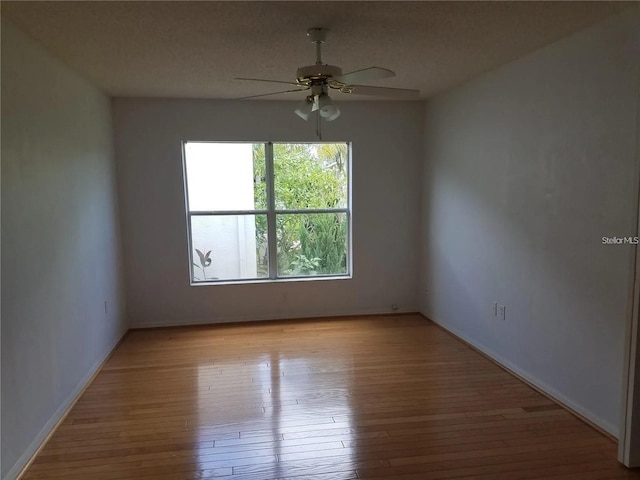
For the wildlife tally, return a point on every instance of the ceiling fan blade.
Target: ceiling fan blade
(274, 93)
(400, 93)
(365, 75)
(269, 81)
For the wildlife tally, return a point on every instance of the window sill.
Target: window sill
(270, 280)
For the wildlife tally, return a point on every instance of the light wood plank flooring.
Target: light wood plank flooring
(334, 399)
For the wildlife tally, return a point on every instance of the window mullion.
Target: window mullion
(226, 213)
(271, 211)
(312, 210)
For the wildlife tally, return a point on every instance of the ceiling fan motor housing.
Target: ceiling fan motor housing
(312, 73)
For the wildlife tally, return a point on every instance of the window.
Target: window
(267, 210)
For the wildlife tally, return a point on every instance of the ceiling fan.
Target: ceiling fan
(320, 78)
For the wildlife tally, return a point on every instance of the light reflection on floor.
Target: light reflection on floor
(266, 410)
(328, 399)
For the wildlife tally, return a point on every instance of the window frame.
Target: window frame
(271, 214)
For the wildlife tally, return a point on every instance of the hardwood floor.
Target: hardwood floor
(371, 397)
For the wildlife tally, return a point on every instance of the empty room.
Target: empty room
(323, 240)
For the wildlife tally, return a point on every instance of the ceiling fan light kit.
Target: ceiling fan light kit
(327, 109)
(305, 108)
(320, 78)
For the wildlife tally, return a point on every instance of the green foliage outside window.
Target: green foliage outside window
(307, 176)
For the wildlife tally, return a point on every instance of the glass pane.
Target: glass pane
(229, 247)
(312, 244)
(225, 176)
(310, 175)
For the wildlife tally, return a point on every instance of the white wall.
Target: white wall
(60, 254)
(526, 168)
(386, 164)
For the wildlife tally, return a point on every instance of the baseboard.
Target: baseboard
(276, 317)
(25, 460)
(602, 426)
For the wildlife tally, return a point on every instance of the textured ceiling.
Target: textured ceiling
(195, 49)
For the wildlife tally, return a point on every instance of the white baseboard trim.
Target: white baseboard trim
(588, 416)
(25, 459)
(280, 316)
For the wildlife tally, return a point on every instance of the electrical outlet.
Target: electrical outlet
(494, 309)
(394, 307)
(502, 311)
